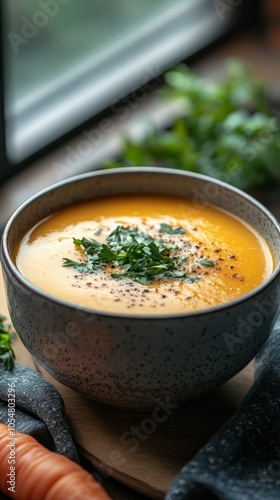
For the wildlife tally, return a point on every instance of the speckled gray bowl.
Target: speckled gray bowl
(134, 361)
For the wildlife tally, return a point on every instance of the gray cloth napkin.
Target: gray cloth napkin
(37, 408)
(242, 461)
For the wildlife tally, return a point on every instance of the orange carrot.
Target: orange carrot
(29, 471)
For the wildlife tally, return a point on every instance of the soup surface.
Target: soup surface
(166, 255)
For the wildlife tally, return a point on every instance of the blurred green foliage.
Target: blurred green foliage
(227, 131)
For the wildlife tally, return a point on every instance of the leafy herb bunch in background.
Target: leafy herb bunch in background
(7, 355)
(227, 130)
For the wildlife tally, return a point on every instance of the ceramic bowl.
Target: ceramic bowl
(134, 361)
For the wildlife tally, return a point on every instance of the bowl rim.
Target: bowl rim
(8, 261)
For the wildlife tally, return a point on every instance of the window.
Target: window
(66, 61)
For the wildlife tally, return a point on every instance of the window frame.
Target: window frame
(12, 167)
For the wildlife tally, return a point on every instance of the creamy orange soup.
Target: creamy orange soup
(222, 257)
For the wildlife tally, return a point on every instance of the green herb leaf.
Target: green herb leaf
(105, 254)
(89, 245)
(165, 228)
(7, 355)
(81, 267)
(191, 279)
(206, 262)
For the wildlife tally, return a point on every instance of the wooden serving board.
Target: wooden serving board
(138, 451)
(133, 447)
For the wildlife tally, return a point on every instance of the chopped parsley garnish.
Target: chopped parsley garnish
(165, 228)
(206, 262)
(7, 355)
(140, 257)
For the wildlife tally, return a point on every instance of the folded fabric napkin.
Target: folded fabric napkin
(242, 461)
(37, 408)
